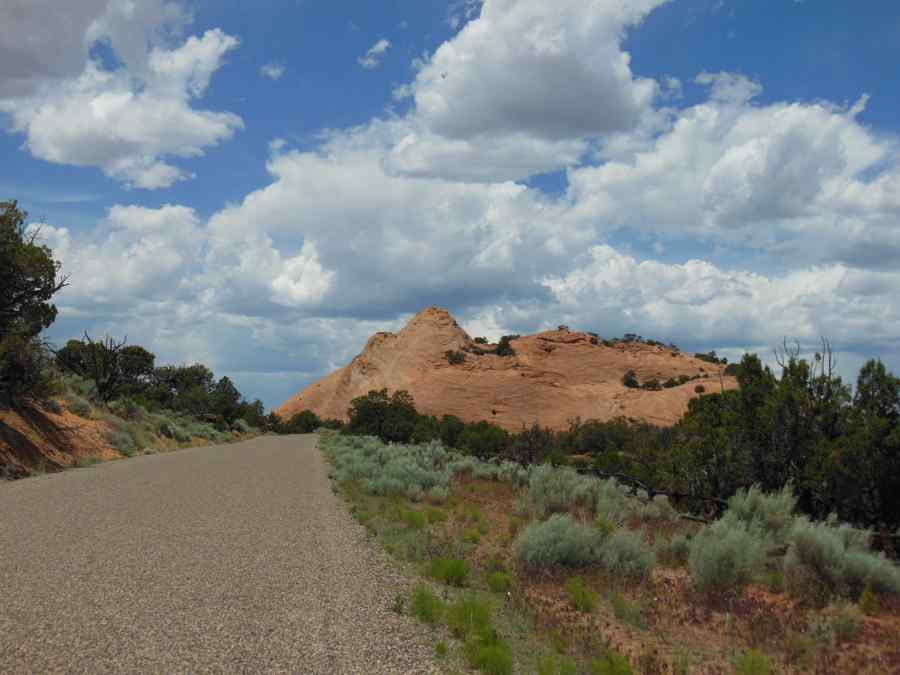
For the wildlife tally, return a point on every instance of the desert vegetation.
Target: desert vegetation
(541, 568)
(117, 387)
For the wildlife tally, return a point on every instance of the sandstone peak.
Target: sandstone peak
(554, 376)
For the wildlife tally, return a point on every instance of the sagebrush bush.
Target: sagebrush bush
(559, 540)
(825, 560)
(241, 426)
(558, 489)
(79, 406)
(772, 514)
(726, 556)
(674, 551)
(122, 442)
(626, 553)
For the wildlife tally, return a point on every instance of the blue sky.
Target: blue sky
(260, 186)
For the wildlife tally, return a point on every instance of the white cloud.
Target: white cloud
(523, 88)
(789, 178)
(127, 120)
(372, 58)
(274, 71)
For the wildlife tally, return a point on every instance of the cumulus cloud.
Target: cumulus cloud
(273, 71)
(525, 86)
(372, 58)
(127, 119)
(788, 178)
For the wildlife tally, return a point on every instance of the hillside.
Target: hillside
(554, 376)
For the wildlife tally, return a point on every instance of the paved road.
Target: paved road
(234, 558)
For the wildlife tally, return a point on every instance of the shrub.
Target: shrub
(674, 551)
(771, 514)
(868, 602)
(825, 560)
(725, 556)
(79, 406)
(630, 380)
(455, 358)
(753, 662)
(122, 442)
(437, 495)
(241, 426)
(426, 606)
(626, 553)
(582, 598)
(450, 571)
(699, 389)
(652, 385)
(481, 341)
(560, 540)
(500, 582)
(504, 347)
(556, 490)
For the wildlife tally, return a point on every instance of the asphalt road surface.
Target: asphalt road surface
(232, 558)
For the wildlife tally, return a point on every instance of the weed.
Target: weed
(398, 604)
(435, 516)
(801, 649)
(450, 571)
(675, 551)
(868, 602)
(582, 598)
(441, 650)
(471, 536)
(847, 622)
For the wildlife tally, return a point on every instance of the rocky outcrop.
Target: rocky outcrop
(554, 376)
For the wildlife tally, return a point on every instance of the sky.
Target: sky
(261, 186)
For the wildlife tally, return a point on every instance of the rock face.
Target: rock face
(554, 376)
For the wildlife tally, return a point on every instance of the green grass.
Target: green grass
(427, 607)
(450, 571)
(414, 519)
(582, 598)
(500, 582)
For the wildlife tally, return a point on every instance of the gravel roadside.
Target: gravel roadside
(234, 558)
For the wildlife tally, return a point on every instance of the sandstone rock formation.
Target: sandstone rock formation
(554, 376)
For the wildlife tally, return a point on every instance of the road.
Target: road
(234, 558)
